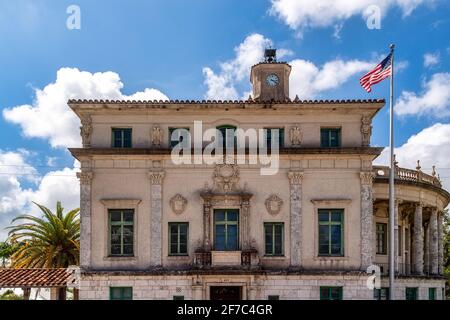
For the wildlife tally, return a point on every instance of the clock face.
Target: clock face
(272, 80)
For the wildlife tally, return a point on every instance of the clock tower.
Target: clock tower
(270, 79)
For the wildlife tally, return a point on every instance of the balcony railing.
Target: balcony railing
(408, 175)
(204, 258)
(405, 269)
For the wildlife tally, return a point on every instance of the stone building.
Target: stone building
(155, 229)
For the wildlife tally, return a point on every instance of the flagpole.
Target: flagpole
(392, 225)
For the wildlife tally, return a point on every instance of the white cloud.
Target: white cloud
(431, 59)
(61, 185)
(50, 118)
(301, 15)
(434, 99)
(221, 86)
(308, 80)
(431, 146)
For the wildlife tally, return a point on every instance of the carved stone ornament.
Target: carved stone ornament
(274, 204)
(366, 130)
(157, 136)
(178, 203)
(296, 135)
(226, 177)
(86, 130)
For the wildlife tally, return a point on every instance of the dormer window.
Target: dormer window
(121, 137)
(330, 137)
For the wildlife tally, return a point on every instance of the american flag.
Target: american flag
(382, 71)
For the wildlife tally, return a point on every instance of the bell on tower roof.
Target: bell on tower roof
(270, 55)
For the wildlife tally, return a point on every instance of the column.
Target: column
(433, 242)
(156, 179)
(295, 182)
(367, 235)
(396, 248)
(85, 178)
(245, 223)
(206, 223)
(440, 226)
(418, 239)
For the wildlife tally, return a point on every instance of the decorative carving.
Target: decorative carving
(296, 135)
(86, 130)
(295, 177)
(157, 136)
(226, 177)
(274, 204)
(156, 177)
(366, 130)
(178, 203)
(367, 177)
(85, 177)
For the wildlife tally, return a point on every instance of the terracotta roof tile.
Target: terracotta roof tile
(287, 101)
(20, 278)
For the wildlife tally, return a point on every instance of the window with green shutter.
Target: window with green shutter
(121, 137)
(121, 232)
(179, 135)
(178, 238)
(274, 238)
(431, 293)
(269, 133)
(381, 294)
(411, 293)
(381, 238)
(273, 297)
(331, 293)
(330, 137)
(331, 232)
(121, 293)
(228, 135)
(178, 297)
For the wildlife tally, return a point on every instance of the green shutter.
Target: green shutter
(331, 232)
(178, 239)
(121, 293)
(121, 232)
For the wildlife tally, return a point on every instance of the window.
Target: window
(178, 297)
(381, 294)
(381, 238)
(330, 293)
(331, 229)
(274, 238)
(226, 230)
(330, 137)
(121, 232)
(180, 135)
(178, 239)
(228, 135)
(121, 137)
(431, 293)
(268, 134)
(411, 293)
(273, 297)
(400, 243)
(121, 293)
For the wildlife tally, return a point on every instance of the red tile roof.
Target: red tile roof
(287, 101)
(22, 278)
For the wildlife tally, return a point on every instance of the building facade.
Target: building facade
(152, 228)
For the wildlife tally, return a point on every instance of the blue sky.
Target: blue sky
(165, 45)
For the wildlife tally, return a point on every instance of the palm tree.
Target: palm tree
(52, 241)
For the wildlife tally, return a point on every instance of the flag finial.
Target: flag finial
(392, 46)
